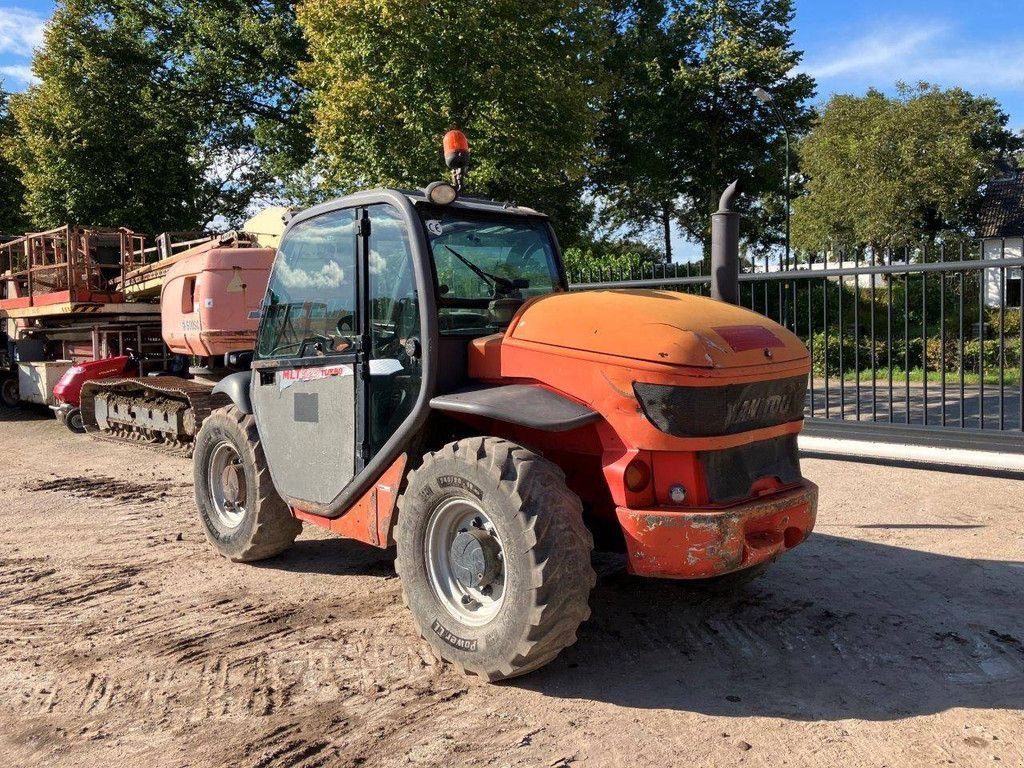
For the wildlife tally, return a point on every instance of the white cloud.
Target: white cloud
(330, 275)
(20, 31)
(992, 66)
(18, 73)
(933, 52)
(879, 50)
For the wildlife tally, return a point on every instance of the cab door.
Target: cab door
(309, 368)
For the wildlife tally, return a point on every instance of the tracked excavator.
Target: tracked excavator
(210, 308)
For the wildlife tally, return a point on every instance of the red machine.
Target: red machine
(67, 393)
(433, 384)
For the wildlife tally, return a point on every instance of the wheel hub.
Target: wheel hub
(234, 484)
(465, 561)
(475, 558)
(228, 490)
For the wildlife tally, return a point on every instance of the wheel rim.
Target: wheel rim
(473, 604)
(75, 419)
(228, 489)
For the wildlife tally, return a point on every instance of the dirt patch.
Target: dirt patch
(102, 488)
(892, 636)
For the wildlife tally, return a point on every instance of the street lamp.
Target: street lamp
(766, 98)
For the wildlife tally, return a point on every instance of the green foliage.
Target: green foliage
(990, 353)
(852, 354)
(890, 171)
(1011, 321)
(387, 78)
(615, 257)
(156, 116)
(681, 121)
(100, 144)
(234, 65)
(12, 191)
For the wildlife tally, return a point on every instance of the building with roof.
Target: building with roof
(1001, 231)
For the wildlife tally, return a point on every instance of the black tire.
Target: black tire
(547, 575)
(731, 582)
(263, 525)
(73, 421)
(9, 395)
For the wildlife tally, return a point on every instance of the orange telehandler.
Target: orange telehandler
(423, 377)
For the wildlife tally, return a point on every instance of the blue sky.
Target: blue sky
(976, 44)
(849, 46)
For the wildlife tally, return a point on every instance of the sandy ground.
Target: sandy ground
(894, 636)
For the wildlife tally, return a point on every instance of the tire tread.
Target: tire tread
(552, 518)
(274, 528)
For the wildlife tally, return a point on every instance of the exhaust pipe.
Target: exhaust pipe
(725, 247)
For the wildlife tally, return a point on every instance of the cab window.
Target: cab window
(310, 306)
(395, 375)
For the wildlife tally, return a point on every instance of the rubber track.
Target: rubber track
(198, 395)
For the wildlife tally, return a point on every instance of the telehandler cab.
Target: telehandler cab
(423, 377)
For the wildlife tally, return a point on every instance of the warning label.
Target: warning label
(293, 375)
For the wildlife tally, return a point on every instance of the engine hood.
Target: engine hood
(657, 326)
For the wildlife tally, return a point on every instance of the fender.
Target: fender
(524, 404)
(236, 387)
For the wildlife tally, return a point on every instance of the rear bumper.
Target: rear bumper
(700, 543)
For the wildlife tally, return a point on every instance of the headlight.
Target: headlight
(441, 193)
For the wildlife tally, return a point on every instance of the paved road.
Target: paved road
(894, 636)
(842, 402)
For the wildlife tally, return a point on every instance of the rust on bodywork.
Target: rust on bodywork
(694, 544)
(371, 518)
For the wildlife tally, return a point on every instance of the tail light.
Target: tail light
(637, 476)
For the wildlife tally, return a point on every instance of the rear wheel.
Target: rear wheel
(73, 421)
(9, 395)
(494, 557)
(241, 513)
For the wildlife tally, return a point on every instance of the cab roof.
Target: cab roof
(418, 197)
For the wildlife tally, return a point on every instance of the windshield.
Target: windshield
(486, 267)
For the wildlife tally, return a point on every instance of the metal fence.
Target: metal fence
(921, 344)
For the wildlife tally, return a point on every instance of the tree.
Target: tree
(12, 191)
(682, 121)
(637, 170)
(387, 78)
(99, 145)
(890, 171)
(231, 64)
(157, 116)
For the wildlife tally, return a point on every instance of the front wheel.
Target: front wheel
(494, 557)
(9, 395)
(241, 513)
(73, 421)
